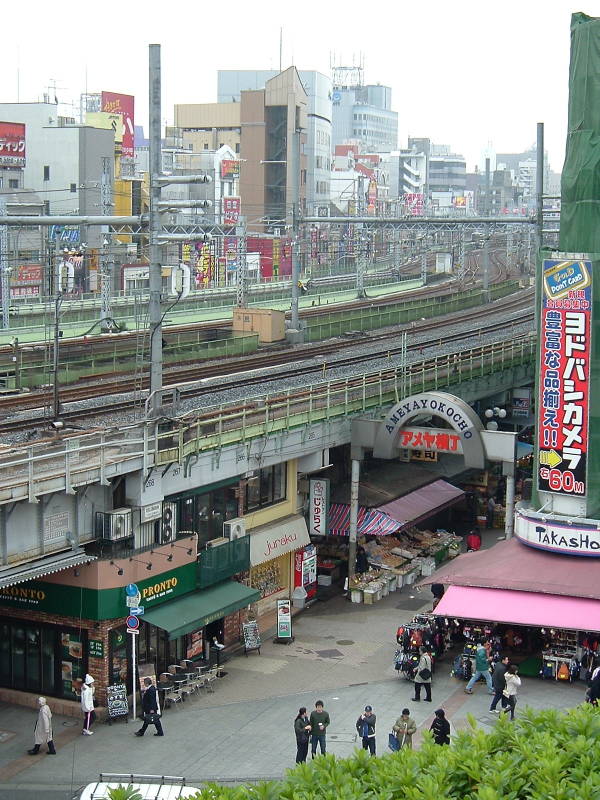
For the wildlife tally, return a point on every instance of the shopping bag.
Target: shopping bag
(393, 742)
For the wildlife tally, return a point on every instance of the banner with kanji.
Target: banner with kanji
(564, 384)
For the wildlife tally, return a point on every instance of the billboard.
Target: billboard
(231, 210)
(564, 383)
(102, 119)
(123, 104)
(413, 203)
(230, 168)
(12, 144)
(27, 280)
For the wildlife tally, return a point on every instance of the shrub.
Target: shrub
(542, 755)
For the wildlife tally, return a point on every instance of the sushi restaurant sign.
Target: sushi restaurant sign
(56, 598)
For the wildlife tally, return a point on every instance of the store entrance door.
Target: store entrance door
(211, 631)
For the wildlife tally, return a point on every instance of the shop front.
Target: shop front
(272, 564)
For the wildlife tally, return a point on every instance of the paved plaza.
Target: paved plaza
(342, 654)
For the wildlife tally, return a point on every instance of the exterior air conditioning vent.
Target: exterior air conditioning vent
(113, 525)
(217, 542)
(167, 523)
(234, 528)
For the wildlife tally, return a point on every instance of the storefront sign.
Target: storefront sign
(305, 570)
(230, 168)
(95, 648)
(318, 506)
(576, 539)
(459, 415)
(277, 539)
(123, 104)
(231, 210)
(150, 512)
(565, 352)
(284, 619)
(12, 144)
(433, 440)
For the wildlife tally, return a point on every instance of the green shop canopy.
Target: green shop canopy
(195, 610)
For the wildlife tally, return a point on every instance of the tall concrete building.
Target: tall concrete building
(363, 115)
(318, 88)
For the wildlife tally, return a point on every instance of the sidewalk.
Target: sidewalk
(342, 654)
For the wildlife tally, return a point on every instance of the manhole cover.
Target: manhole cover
(329, 653)
(344, 641)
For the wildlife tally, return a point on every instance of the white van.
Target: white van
(149, 787)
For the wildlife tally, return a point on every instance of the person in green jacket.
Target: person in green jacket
(482, 668)
(319, 721)
(404, 729)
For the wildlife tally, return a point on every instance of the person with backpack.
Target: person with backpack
(365, 725)
(302, 731)
(423, 675)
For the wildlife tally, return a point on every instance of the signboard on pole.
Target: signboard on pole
(318, 506)
(284, 619)
(123, 104)
(564, 384)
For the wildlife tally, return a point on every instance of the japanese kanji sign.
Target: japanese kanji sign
(231, 210)
(565, 354)
(12, 144)
(436, 440)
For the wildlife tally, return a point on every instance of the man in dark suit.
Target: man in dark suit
(150, 708)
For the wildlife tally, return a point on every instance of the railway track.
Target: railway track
(200, 380)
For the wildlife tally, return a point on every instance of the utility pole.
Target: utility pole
(539, 183)
(155, 276)
(361, 267)
(486, 263)
(105, 257)
(4, 273)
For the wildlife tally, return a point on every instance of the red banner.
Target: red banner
(230, 168)
(564, 383)
(123, 104)
(12, 144)
(231, 210)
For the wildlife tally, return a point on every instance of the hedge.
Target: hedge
(542, 755)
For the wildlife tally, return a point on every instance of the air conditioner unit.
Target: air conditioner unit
(234, 528)
(114, 525)
(217, 542)
(168, 523)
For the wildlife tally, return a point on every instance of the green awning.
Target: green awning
(196, 610)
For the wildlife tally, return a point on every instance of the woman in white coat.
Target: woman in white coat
(87, 705)
(43, 729)
(512, 686)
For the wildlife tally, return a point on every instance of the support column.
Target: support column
(508, 470)
(360, 274)
(4, 275)
(486, 262)
(155, 278)
(353, 533)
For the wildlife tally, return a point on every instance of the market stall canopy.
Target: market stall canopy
(21, 573)
(512, 565)
(520, 608)
(369, 521)
(422, 503)
(197, 609)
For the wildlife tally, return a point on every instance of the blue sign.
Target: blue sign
(64, 233)
(132, 623)
(131, 590)
(137, 611)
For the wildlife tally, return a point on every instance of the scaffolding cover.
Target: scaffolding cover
(580, 185)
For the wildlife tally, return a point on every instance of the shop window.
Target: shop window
(4, 655)
(205, 514)
(267, 487)
(267, 578)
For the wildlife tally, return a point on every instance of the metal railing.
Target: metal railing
(67, 463)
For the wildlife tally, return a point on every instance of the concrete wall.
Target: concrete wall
(253, 151)
(207, 115)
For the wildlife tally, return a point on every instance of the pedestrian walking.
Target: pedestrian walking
(150, 709)
(404, 729)
(319, 721)
(302, 730)
(42, 733)
(440, 727)
(87, 705)
(510, 693)
(499, 684)
(423, 676)
(489, 514)
(365, 725)
(482, 668)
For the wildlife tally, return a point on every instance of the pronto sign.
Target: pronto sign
(458, 414)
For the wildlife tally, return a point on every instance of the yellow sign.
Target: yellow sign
(549, 458)
(107, 121)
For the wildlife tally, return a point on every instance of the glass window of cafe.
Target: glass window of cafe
(41, 658)
(154, 647)
(205, 512)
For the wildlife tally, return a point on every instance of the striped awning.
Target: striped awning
(29, 571)
(370, 521)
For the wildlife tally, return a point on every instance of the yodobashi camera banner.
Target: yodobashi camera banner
(564, 383)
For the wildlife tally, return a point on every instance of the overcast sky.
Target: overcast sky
(463, 73)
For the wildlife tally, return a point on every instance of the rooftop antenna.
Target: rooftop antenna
(280, 49)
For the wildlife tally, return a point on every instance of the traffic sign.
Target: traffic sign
(131, 630)
(131, 590)
(132, 601)
(137, 611)
(132, 622)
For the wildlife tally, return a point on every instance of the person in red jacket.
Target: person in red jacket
(473, 541)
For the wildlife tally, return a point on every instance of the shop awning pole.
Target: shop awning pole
(509, 518)
(353, 517)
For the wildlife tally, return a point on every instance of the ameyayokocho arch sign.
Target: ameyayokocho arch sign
(458, 414)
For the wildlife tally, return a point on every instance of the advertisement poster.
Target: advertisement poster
(318, 506)
(284, 619)
(305, 570)
(72, 653)
(195, 645)
(12, 144)
(564, 386)
(231, 210)
(119, 663)
(123, 104)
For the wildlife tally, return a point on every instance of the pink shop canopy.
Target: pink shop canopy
(520, 608)
(372, 522)
(422, 503)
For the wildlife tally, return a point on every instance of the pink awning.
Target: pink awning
(520, 608)
(422, 503)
